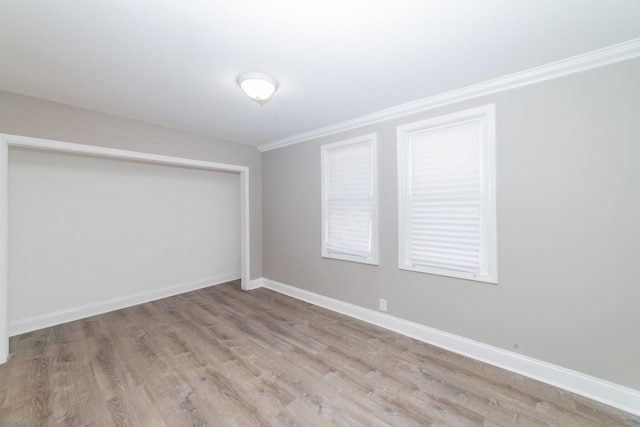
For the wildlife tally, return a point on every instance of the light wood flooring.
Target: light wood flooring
(224, 357)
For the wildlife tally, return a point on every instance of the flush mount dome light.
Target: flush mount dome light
(260, 87)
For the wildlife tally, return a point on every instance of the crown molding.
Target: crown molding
(576, 64)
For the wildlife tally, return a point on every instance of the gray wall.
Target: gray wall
(86, 230)
(568, 182)
(27, 116)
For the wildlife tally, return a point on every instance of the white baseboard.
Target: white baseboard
(255, 284)
(29, 324)
(597, 389)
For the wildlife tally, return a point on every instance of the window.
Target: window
(446, 195)
(349, 200)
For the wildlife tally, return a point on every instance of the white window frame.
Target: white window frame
(485, 117)
(372, 258)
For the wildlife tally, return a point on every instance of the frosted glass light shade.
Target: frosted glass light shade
(260, 87)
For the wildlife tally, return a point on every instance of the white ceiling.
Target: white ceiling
(175, 62)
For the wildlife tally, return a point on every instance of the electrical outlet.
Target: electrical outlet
(383, 304)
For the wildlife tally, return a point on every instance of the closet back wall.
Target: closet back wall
(87, 230)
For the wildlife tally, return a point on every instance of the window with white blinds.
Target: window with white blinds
(349, 205)
(447, 207)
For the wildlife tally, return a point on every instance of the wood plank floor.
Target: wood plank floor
(223, 357)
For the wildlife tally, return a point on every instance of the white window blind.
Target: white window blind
(349, 200)
(447, 204)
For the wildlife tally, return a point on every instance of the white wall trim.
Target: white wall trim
(4, 252)
(594, 388)
(371, 140)
(576, 64)
(485, 140)
(34, 323)
(256, 283)
(7, 141)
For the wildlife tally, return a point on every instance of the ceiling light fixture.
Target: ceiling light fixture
(260, 87)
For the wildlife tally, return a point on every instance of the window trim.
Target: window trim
(372, 259)
(488, 215)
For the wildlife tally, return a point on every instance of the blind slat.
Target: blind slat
(349, 199)
(444, 203)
